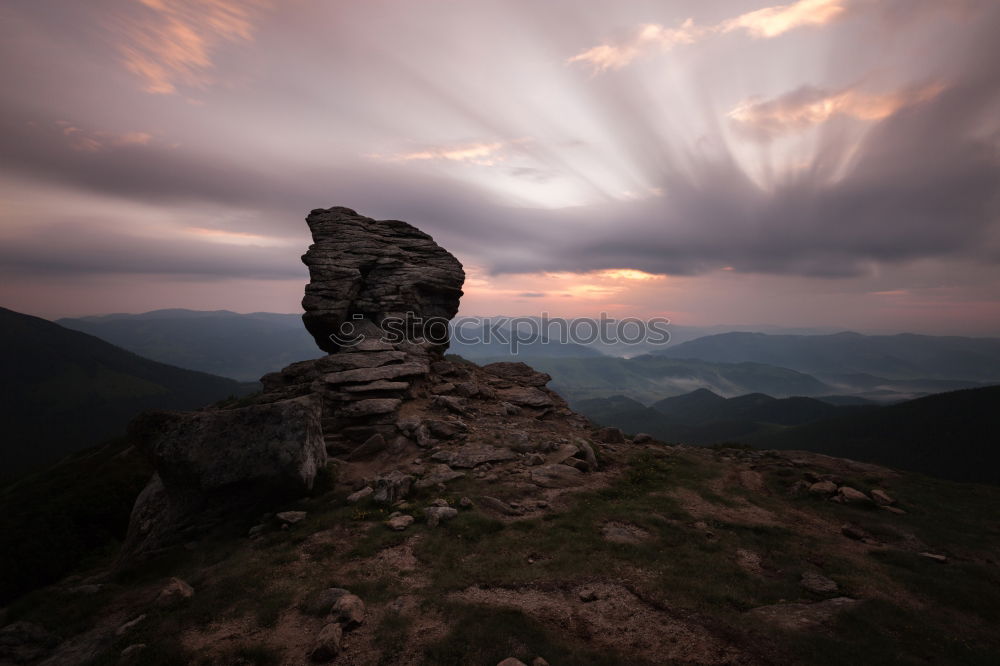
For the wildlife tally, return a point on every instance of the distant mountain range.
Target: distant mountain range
(63, 390)
(952, 435)
(853, 357)
(240, 346)
(649, 378)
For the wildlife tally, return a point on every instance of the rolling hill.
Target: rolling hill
(63, 390)
(951, 435)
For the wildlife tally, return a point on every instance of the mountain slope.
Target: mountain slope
(951, 435)
(241, 346)
(903, 356)
(63, 390)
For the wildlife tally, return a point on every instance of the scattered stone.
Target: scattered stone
(399, 523)
(853, 532)
(823, 488)
(437, 475)
(852, 496)
(882, 498)
(499, 506)
(817, 583)
(321, 603)
(291, 517)
(802, 617)
(356, 497)
(349, 610)
(534, 459)
(327, 645)
(611, 436)
(624, 533)
(555, 476)
(473, 455)
(130, 625)
(132, 653)
(392, 487)
(438, 514)
(175, 592)
(940, 559)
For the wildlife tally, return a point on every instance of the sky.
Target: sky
(828, 163)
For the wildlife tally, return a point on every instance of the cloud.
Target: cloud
(763, 24)
(483, 154)
(809, 106)
(172, 42)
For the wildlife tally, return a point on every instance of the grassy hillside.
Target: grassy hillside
(63, 390)
(951, 435)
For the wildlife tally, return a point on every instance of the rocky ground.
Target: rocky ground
(530, 537)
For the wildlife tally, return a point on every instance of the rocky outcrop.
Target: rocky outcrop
(363, 270)
(374, 405)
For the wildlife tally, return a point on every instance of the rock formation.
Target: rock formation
(383, 396)
(363, 271)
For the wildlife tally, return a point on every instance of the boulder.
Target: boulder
(498, 506)
(611, 436)
(359, 495)
(642, 438)
(373, 270)
(276, 445)
(817, 583)
(438, 514)
(291, 517)
(511, 661)
(825, 488)
(852, 496)
(882, 498)
(555, 476)
(327, 645)
(321, 602)
(519, 373)
(392, 487)
(399, 523)
(526, 396)
(349, 610)
(173, 593)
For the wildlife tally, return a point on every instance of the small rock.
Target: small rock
(440, 502)
(130, 625)
(392, 487)
(437, 475)
(588, 454)
(882, 498)
(511, 661)
(291, 517)
(256, 531)
(354, 498)
(534, 460)
(823, 488)
(349, 610)
(327, 645)
(538, 661)
(587, 594)
(642, 438)
(437, 514)
(555, 476)
(399, 523)
(465, 503)
(853, 532)
(131, 654)
(175, 592)
(853, 496)
(893, 509)
(940, 559)
(494, 504)
(817, 583)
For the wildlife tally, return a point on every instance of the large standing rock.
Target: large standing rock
(374, 269)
